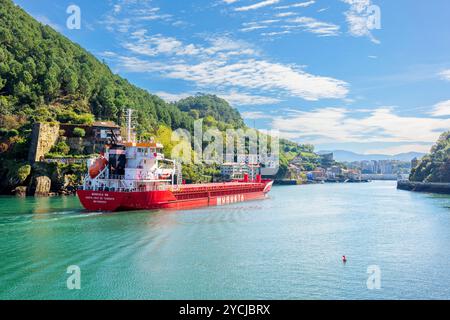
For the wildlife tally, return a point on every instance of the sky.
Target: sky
(369, 76)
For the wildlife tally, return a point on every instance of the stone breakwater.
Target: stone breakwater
(432, 187)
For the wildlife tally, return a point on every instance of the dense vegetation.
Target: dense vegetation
(435, 167)
(46, 77)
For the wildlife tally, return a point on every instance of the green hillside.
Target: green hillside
(44, 77)
(435, 167)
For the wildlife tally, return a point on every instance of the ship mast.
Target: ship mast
(130, 132)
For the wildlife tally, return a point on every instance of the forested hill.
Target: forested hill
(211, 107)
(46, 77)
(435, 167)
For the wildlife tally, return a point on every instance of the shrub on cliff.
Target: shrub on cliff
(69, 116)
(61, 148)
(23, 172)
(79, 132)
(13, 133)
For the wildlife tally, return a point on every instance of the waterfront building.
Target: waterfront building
(319, 174)
(269, 163)
(236, 171)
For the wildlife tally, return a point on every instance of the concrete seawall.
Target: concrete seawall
(432, 187)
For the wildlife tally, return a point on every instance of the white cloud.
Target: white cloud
(227, 47)
(172, 97)
(334, 125)
(117, 8)
(288, 22)
(126, 15)
(297, 5)
(255, 25)
(360, 18)
(314, 26)
(250, 74)
(252, 28)
(226, 64)
(157, 44)
(230, 1)
(233, 97)
(275, 33)
(257, 5)
(255, 115)
(285, 14)
(219, 47)
(441, 109)
(244, 99)
(445, 75)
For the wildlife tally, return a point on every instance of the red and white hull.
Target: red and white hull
(183, 197)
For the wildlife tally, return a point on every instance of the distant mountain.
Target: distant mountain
(348, 156)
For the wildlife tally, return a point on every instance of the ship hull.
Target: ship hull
(186, 197)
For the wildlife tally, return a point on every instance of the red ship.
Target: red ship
(136, 176)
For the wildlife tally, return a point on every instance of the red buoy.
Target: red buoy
(344, 259)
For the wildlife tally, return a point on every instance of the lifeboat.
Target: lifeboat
(98, 166)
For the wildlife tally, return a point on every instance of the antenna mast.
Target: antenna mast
(130, 135)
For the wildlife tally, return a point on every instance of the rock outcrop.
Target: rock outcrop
(41, 186)
(20, 191)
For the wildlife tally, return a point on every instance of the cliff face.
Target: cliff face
(434, 167)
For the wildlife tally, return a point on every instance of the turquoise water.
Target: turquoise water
(286, 247)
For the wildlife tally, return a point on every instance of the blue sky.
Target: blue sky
(370, 76)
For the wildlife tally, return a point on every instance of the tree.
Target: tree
(6, 37)
(69, 81)
(164, 136)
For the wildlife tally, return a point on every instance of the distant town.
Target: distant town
(357, 171)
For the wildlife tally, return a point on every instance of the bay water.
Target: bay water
(288, 246)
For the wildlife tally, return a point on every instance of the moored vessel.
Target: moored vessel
(136, 176)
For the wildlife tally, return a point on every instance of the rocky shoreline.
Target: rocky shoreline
(40, 179)
(432, 187)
